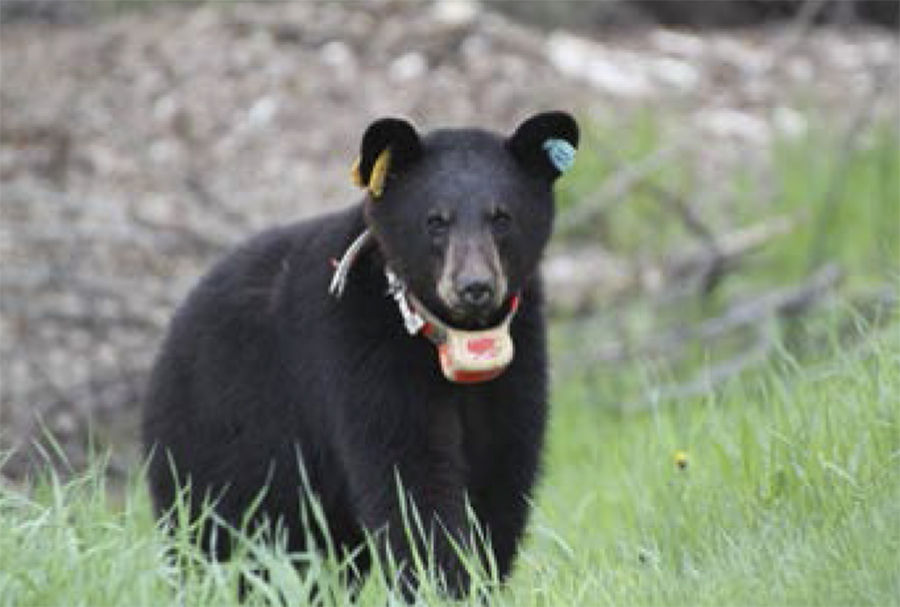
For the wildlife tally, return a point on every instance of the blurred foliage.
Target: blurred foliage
(850, 200)
(847, 202)
(842, 194)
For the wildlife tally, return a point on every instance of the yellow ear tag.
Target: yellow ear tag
(379, 173)
(355, 176)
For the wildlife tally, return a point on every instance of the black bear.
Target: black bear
(401, 338)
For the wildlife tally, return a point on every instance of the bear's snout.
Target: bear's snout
(472, 284)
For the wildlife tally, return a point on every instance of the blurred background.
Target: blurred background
(736, 188)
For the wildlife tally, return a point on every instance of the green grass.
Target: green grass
(791, 495)
(849, 203)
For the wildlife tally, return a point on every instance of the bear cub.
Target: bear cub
(399, 342)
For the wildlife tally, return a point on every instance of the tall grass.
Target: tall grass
(790, 495)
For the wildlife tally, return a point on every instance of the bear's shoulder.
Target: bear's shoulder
(249, 283)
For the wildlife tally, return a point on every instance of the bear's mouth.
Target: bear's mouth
(450, 303)
(469, 319)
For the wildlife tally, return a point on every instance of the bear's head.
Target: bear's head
(462, 215)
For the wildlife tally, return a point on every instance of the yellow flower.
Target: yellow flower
(681, 460)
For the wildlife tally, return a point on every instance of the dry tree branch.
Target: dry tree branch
(798, 28)
(729, 248)
(578, 279)
(786, 301)
(637, 176)
(709, 378)
(615, 188)
(714, 268)
(715, 375)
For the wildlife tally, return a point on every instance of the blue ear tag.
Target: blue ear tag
(561, 154)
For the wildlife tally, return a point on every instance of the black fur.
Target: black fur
(261, 365)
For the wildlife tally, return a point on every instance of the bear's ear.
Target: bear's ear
(545, 144)
(388, 146)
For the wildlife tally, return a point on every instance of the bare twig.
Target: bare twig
(712, 376)
(716, 375)
(786, 301)
(798, 28)
(730, 247)
(578, 279)
(617, 187)
(713, 270)
(631, 177)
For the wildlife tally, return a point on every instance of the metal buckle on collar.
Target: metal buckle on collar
(396, 289)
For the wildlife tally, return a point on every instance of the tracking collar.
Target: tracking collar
(465, 356)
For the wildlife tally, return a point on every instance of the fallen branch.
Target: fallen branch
(786, 301)
(579, 280)
(617, 187)
(716, 375)
(729, 248)
(714, 268)
(712, 376)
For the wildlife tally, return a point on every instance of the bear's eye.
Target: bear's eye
(501, 221)
(437, 223)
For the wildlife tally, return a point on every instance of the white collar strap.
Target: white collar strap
(342, 269)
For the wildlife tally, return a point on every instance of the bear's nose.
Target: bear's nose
(477, 293)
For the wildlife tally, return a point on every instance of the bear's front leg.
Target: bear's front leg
(509, 469)
(408, 490)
